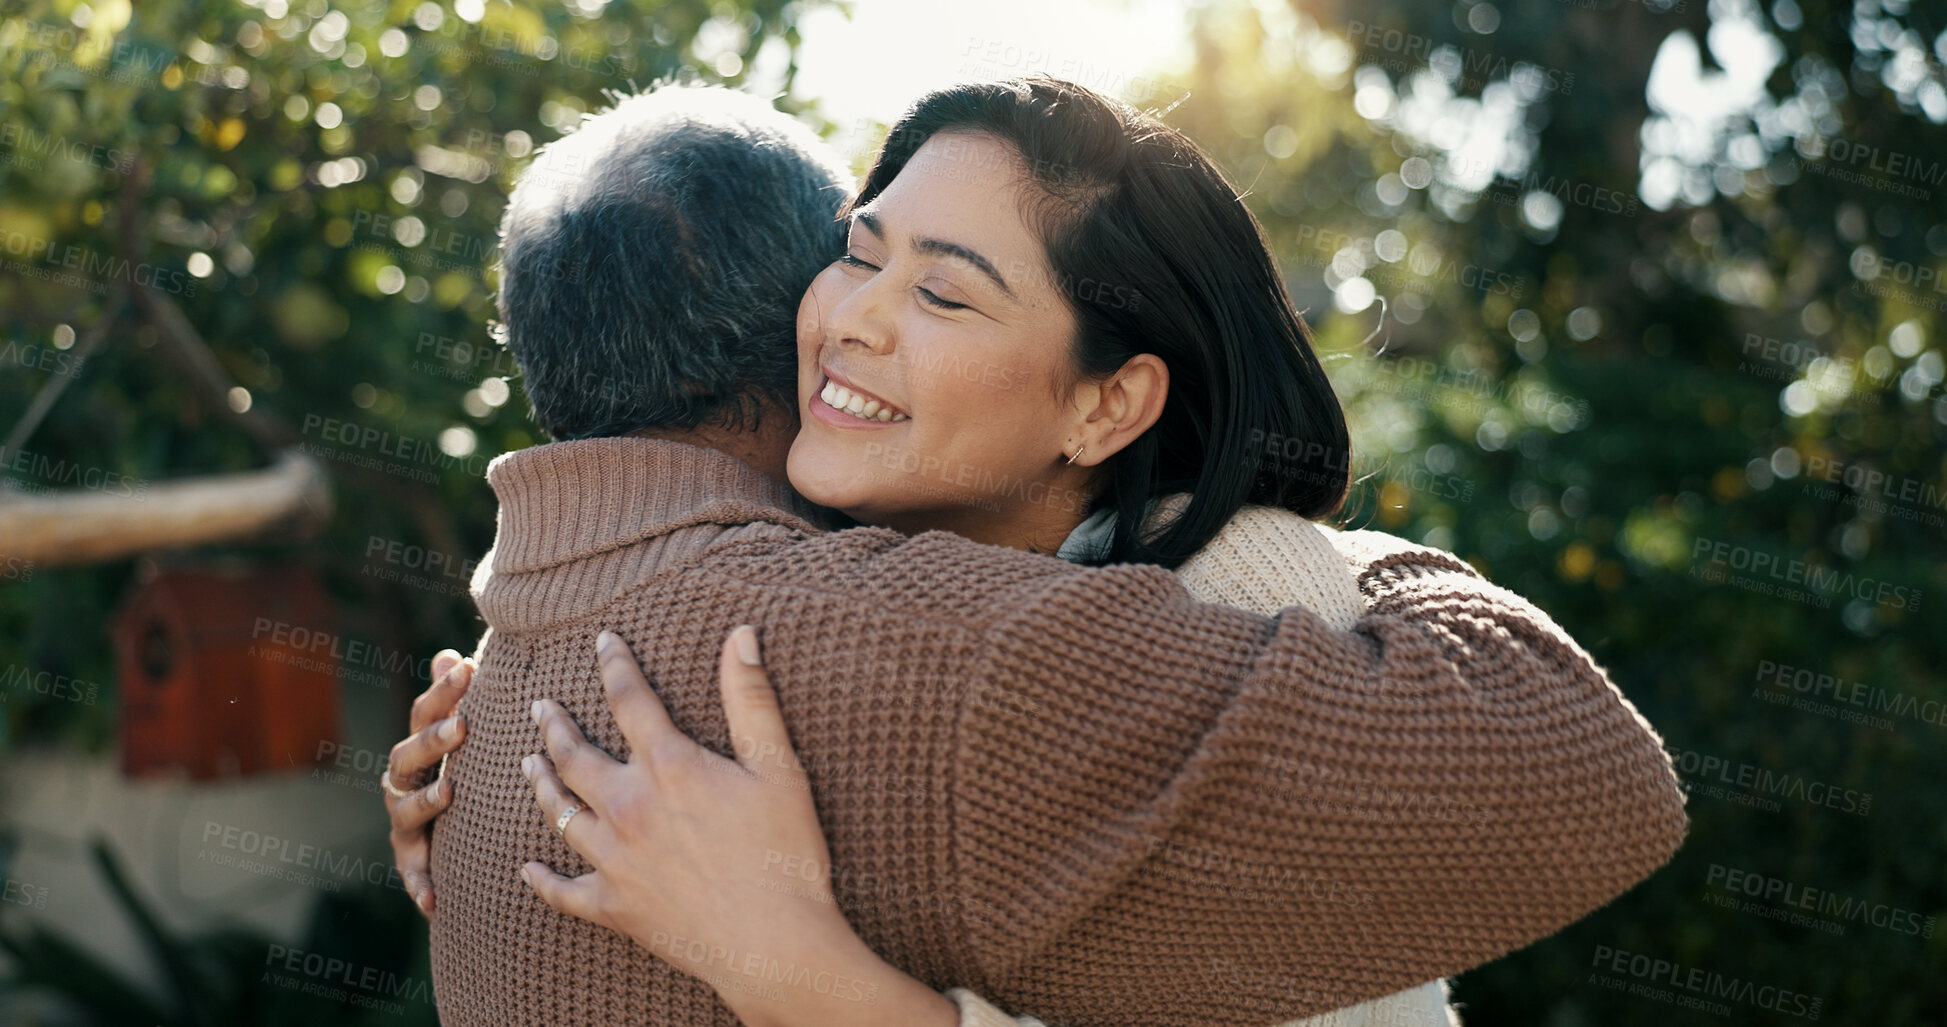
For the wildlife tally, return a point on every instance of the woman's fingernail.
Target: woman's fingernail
(527, 878)
(535, 710)
(604, 640)
(745, 638)
(450, 729)
(527, 765)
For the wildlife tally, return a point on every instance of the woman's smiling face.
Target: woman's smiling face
(934, 359)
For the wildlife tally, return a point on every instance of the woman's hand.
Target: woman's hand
(717, 867)
(436, 731)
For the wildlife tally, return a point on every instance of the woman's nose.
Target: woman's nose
(862, 317)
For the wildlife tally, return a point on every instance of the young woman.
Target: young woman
(1056, 327)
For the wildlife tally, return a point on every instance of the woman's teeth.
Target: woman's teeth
(841, 398)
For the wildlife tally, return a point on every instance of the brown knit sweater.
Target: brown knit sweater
(1041, 781)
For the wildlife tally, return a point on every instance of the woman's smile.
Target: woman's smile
(841, 403)
(943, 269)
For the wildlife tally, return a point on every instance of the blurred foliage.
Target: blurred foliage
(1572, 266)
(1569, 394)
(318, 189)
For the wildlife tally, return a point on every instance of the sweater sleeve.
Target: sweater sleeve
(1312, 817)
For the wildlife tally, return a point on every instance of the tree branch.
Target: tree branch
(79, 526)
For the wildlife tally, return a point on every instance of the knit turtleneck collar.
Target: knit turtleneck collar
(569, 511)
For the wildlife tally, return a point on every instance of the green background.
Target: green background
(1569, 391)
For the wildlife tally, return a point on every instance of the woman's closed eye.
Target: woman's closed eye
(927, 296)
(936, 301)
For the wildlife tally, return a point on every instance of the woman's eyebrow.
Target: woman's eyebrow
(940, 246)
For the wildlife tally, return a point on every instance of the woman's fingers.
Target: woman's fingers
(415, 876)
(422, 750)
(581, 765)
(575, 896)
(757, 732)
(451, 675)
(435, 731)
(638, 711)
(419, 885)
(411, 850)
(412, 812)
(554, 798)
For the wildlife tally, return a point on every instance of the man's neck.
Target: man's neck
(763, 450)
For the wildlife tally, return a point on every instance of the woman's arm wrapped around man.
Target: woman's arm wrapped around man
(1355, 813)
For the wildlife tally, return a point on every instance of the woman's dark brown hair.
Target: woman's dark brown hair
(1155, 252)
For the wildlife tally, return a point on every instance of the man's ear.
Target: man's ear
(1125, 405)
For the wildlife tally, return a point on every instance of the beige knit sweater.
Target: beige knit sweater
(1264, 560)
(967, 712)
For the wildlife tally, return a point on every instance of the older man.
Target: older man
(648, 296)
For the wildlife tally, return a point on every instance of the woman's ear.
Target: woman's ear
(1127, 403)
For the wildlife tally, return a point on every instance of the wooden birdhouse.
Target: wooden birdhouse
(226, 672)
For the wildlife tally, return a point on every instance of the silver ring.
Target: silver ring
(561, 822)
(385, 782)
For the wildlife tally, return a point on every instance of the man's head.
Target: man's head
(653, 259)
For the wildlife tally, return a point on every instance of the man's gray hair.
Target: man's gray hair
(652, 262)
